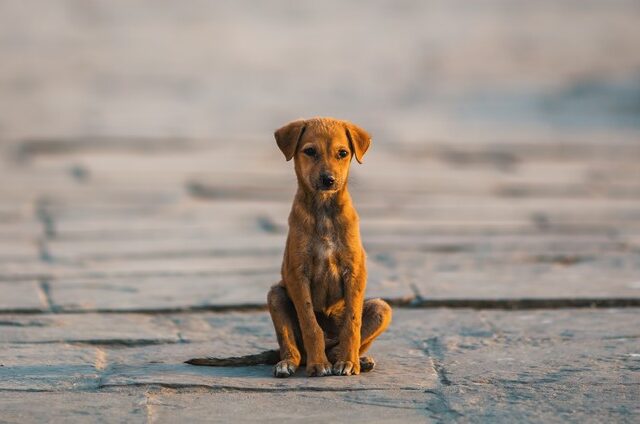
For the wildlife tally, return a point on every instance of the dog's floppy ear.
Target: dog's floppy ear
(288, 136)
(359, 139)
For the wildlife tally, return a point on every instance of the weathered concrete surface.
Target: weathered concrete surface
(73, 407)
(22, 296)
(49, 367)
(142, 350)
(440, 365)
(122, 231)
(93, 329)
(539, 366)
(164, 405)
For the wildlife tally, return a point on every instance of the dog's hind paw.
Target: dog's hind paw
(367, 363)
(284, 368)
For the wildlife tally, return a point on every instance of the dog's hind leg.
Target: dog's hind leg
(376, 317)
(285, 322)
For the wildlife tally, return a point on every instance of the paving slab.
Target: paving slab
(48, 367)
(545, 366)
(218, 243)
(288, 407)
(253, 332)
(73, 407)
(18, 250)
(186, 292)
(140, 267)
(161, 405)
(91, 329)
(20, 230)
(23, 296)
(161, 293)
(487, 364)
(266, 236)
(199, 282)
(516, 275)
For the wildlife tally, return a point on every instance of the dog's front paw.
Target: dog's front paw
(346, 368)
(319, 369)
(284, 368)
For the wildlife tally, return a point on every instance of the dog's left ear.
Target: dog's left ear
(288, 137)
(359, 139)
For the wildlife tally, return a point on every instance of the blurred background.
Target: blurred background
(138, 167)
(408, 70)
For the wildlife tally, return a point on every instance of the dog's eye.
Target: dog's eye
(343, 153)
(309, 151)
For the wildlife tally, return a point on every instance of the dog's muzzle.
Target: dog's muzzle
(327, 181)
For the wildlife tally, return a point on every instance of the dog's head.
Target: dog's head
(322, 149)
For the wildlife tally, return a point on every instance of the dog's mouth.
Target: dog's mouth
(327, 189)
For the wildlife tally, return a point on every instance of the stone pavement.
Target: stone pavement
(121, 258)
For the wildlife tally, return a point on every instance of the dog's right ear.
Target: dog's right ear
(288, 137)
(359, 139)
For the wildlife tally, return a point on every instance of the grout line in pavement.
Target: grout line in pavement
(515, 304)
(44, 293)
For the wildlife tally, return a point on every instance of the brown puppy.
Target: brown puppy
(318, 309)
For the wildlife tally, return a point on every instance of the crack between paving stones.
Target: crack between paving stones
(405, 303)
(43, 252)
(148, 406)
(437, 404)
(382, 405)
(149, 275)
(105, 342)
(435, 352)
(101, 362)
(204, 388)
(440, 408)
(44, 293)
(176, 324)
(225, 388)
(34, 391)
(43, 214)
(176, 254)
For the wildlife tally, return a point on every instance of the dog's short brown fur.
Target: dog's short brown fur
(318, 309)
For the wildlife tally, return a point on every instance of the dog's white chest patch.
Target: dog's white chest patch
(325, 248)
(326, 288)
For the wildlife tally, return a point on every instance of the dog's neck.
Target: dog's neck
(329, 204)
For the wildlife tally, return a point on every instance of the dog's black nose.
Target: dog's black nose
(327, 180)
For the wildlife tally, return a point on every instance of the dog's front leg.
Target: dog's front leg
(312, 335)
(348, 354)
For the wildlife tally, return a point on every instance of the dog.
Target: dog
(318, 309)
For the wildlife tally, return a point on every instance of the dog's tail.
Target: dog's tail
(268, 357)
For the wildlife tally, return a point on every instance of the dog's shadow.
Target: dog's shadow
(253, 371)
(180, 374)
